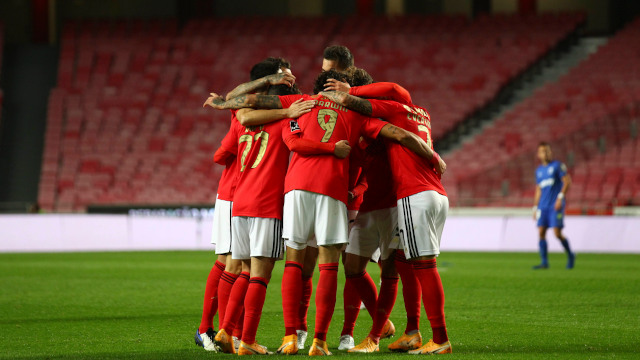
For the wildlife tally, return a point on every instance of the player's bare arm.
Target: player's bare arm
(414, 143)
(255, 101)
(355, 103)
(283, 78)
(253, 117)
(566, 182)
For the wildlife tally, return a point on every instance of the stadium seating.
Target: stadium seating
(125, 122)
(590, 116)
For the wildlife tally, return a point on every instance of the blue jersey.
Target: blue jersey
(549, 178)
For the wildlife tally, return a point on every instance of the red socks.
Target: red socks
(291, 295)
(253, 303)
(237, 331)
(236, 303)
(411, 291)
(386, 300)
(210, 306)
(227, 280)
(325, 299)
(364, 285)
(307, 289)
(351, 308)
(433, 297)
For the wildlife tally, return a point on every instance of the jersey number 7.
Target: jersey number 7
(264, 140)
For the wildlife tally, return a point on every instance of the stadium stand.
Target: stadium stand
(125, 123)
(590, 116)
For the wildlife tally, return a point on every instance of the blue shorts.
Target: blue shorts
(550, 218)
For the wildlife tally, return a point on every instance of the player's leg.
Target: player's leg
(205, 335)
(328, 258)
(542, 248)
(221, 239)
(543, 224)
(235, 305)
(383, 225)
(331, 230)
(297, 228)
(308, 267)
(412, 295)
(229, 276)
(556, 221)
(266, 247)
(421, 219)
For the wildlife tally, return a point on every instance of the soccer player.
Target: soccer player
(375, 220)
(312, 201)
(422, 211)
(216, 293)
(361, 241)
(552, 183)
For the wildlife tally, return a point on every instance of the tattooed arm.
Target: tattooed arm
(274, 79)
(414, 143)
(243, 101)
(360, 105)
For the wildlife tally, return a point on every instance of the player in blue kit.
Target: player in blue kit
(552, 182)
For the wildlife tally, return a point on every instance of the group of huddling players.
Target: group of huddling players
(345, 175)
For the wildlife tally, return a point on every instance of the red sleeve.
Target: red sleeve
(385, 108)
(371, 127)
(222, 156)
(229, 145)
(361, 187)
(287, 100)
(308, 147)
(387, 90)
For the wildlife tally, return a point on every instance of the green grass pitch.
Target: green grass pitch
(146, 305)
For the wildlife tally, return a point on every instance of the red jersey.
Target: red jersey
(411, 173)
(381, 193)
(383, 90)
(262, 161)
(227, 184)
(327, 122)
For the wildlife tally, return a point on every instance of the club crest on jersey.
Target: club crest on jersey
(294, 125)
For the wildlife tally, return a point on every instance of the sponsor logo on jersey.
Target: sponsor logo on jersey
(294, 126)
(547, 182)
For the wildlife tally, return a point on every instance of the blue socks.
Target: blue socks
(571, 258)
(543, 251)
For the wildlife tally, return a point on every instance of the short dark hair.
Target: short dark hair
(341, 55)
(282, 90)
(544, 143)
(268, 66)
(282, 62)
(318, 84)
(360, 77)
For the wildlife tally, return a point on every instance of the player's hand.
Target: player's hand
(441, 166)
(300, 107)
(282, 78)
(214, 100)
(351, 197)
(335, 85)
(342, 149)
(535, 213)
(558, 204)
